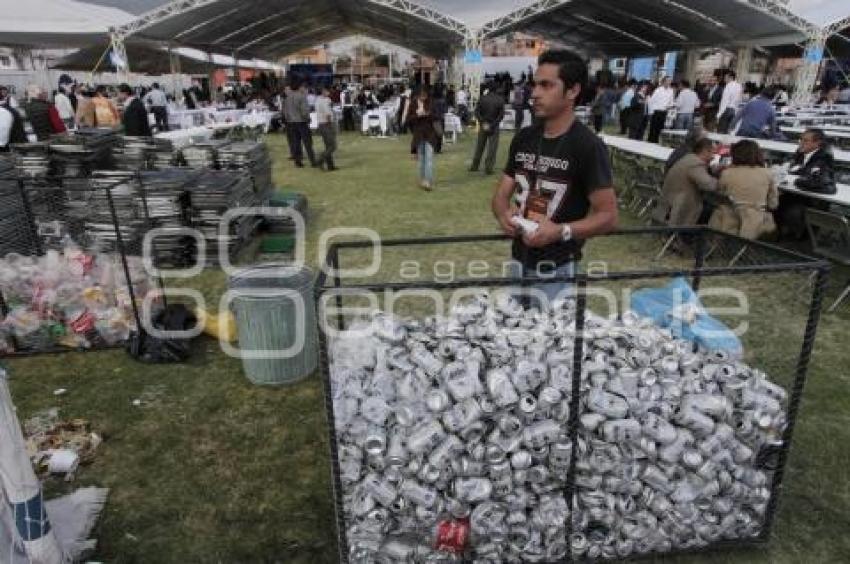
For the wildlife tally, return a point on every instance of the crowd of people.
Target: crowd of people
(641, 108)
(79, 106)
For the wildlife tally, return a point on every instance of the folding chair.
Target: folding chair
(374, 125)
(627, 168)
(647, 188)
(829, 234)
(716, 200)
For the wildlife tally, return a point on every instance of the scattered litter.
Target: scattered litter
(60, 392)
(62, 461)
(137, 402)
(59, 447)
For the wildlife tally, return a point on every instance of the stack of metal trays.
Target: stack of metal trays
(211, 195)
(204, 155)
(252, 157)
(88, 202)
(164, 155)
(16, 235)
(32, 160)
(133, 153)
(48, 203)
(87, 149)
(166, 202)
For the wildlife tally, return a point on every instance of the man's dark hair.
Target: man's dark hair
(125, 89)
(747, 152)
(731, 74)
(817, 135)
(155, 86)
(684, 83)
(702, 145)
(572, 69)
(769, 92)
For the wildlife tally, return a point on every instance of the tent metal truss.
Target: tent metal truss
(180, 7)
(116, 43)
(472, 39)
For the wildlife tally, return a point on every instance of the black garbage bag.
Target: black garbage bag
(147, 348)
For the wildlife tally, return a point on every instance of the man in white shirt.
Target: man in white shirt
(661, 100)
(686, 103)
(6, 121)
(625, 104)
(462, 100)
(64, 106)
(732, 97)
(158, 102)
(327, 129)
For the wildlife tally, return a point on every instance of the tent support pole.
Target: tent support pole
(120, 52)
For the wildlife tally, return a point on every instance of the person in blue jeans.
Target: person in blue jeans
(558, 176)
(421, 121)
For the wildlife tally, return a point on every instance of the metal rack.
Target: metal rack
(763, 261)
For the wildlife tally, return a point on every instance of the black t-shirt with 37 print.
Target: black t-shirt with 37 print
(554, 178)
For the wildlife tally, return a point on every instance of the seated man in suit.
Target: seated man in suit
(135, 118)
(684, 183)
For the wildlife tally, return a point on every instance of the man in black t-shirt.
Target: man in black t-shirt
(558, 176)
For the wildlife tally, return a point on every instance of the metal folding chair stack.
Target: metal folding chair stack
(646, 189)
(830, 238)
(627, 166)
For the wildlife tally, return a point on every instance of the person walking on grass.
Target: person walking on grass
(421, 121)
(327, 129)
(297, 114)
(490, 112)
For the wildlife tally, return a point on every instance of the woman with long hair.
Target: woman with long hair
(421, 121)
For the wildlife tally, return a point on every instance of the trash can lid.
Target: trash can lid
(272, 275)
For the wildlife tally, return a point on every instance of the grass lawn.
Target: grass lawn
(212, 469)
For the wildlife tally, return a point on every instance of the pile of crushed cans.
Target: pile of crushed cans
(69, 298)
(453, 437)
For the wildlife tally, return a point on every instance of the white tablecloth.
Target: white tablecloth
(641, 148)
(183, 137)
(766, 144)
(841, 196)
(185, 119)
(660, 153)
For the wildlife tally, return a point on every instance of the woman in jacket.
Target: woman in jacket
(753, 193)
(421, 121)
(813, 165)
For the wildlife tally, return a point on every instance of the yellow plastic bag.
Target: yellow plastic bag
(222, 327)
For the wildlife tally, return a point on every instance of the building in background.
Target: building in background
(514, 45)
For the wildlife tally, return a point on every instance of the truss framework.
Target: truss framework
(471, 39)
(179, 7)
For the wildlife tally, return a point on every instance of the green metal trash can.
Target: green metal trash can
(276, 321)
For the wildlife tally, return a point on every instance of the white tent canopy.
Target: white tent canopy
(56, 23)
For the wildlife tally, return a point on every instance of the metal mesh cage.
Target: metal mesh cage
(623, 462)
